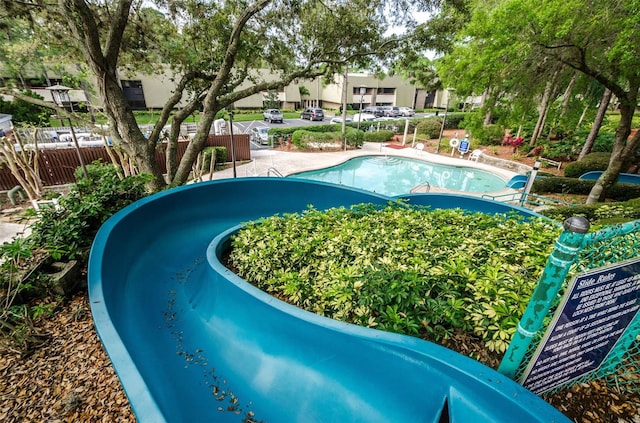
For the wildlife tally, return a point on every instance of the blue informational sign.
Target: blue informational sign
(596, 310)
(463, 147)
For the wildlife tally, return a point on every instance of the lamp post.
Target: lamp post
(233, 150)
(60, 95)
(444, 119)
(363, 90)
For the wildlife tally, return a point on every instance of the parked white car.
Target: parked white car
(364, 117)
(406, 111)
(273, 115)
(260, 135)
(338, 119)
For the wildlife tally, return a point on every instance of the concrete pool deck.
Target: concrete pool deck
(276, 162)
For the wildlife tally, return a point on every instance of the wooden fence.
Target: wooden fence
(58, 165)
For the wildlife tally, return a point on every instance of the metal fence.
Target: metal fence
(576, 254)
(57, 166)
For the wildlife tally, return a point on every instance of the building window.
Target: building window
(386, 91)
(132, 90)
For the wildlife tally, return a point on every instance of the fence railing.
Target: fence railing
(57, 166)
(578, 253)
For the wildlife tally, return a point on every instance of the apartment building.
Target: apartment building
(144, 92)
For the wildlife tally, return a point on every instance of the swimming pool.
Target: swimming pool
(393, 175)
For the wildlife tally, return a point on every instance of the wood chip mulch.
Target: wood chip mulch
(67, 379)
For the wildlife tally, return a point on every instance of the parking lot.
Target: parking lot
(247, 126)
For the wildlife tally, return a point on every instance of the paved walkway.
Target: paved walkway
(288, 162)
(9, 230)
(268, 162)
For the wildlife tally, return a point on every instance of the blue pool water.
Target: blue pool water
(392, 175)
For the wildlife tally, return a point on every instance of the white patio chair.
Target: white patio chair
(475, 155)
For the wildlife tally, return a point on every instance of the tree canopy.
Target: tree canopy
(215, 49)
(526, 47)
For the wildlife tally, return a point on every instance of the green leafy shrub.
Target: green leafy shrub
(430, 128)
(25, 292)
(556, 184)
(560, 150)
(455, 121)
(599, 213)
(68, 233)
(489, 135)
(378, 136)
(590, 162)
(220, 157)
(403, 269)
(604, 141)
(305, 140)
(325, 136)
(355, 137)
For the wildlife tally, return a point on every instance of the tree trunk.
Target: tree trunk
(623, 149)
(597, 123)
(139, 149)
(566, 98)
(543, 109)
(345, 83)
(198, 142)
(488, 110)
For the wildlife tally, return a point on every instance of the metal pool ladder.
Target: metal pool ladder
(275, 172)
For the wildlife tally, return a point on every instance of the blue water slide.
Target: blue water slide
(466, 202)
(625, 178)
(517, 182)
(193, 342)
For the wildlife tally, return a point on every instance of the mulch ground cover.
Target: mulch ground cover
(69, 378)
(66, 378)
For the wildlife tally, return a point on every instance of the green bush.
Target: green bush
(591, 162)
(489, 135)
(430, 128)
(304, 139)
(455, 121)
(68, 233)
(378, 136)
(617, 192)
(355, 137)
(220, 157)
(322, 134)
(421, 272)
(598, 213)
(64, 235)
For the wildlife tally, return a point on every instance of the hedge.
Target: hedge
(602, 212)
(617, 192)
(305, 139)
(220, 156)
(430, 128)
(590, 162)
(378, 136)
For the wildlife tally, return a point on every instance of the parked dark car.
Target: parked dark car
(272, 115)
(374, 110)
(312, 114)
